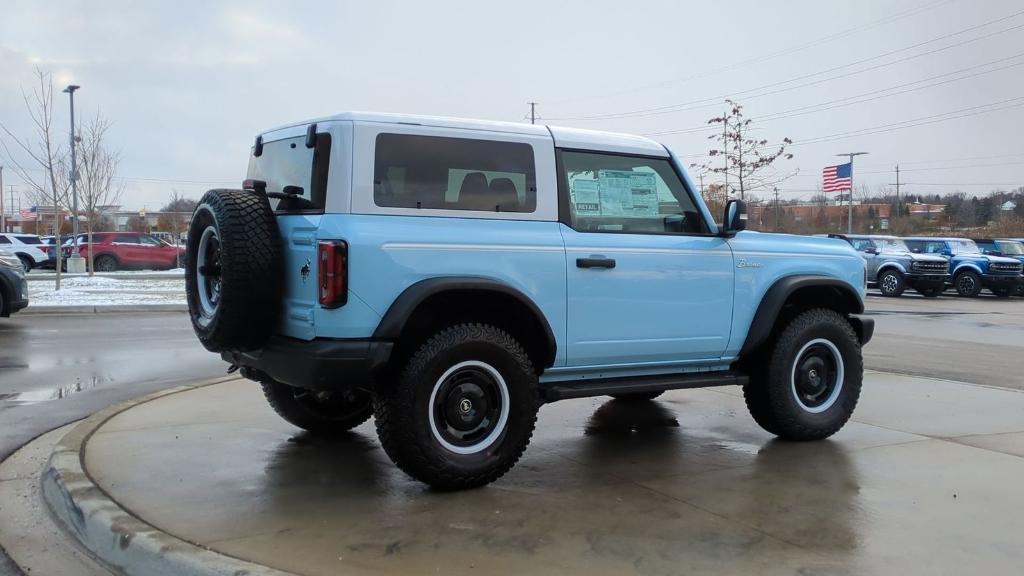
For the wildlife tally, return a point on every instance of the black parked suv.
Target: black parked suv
(13, 285)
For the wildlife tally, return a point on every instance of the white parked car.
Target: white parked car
(27, 247)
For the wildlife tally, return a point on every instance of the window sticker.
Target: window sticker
(628, 193)
(586, 197)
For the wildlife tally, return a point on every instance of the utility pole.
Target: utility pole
(3, 215)
(533, 112)
(75, 262)
(776, 208)
(849, 216)
(897, 190)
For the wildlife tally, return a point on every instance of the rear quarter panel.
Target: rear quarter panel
(387, 254)
(762, 259)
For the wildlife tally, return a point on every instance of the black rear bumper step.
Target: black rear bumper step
(608, 386)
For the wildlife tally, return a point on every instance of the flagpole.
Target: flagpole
(849, 216)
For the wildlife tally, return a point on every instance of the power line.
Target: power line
(922, 121)
(750, 93)
(825, 39)
(866, 96)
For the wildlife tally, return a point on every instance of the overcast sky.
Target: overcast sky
(188, 84)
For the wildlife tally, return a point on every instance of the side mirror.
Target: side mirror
(735, 217)
(871, 251)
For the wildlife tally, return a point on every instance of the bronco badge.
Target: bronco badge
(304, 271)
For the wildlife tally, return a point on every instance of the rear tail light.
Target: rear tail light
(332, 273)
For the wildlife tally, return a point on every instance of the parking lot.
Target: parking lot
(607, 486)
(978, 340)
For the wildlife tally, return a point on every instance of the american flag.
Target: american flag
(28, 213)
(837, 178)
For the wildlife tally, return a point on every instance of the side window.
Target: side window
(862, 245)
(5, 240)
(126, 239)
(631, 194)
(935, 247)
(453, 174)
(150, 241)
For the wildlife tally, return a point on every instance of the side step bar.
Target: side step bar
(607, 386)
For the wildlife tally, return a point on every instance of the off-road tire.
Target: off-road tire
(930, 292)
(105, 263)
(26, 262)
(891, 283)
(324, 413)
(403, 408)
(638, 396)
(250, 270)
(771, 394)
(967, 283)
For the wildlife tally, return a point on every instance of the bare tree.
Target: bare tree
(746, 159)
(97, 168)
(43, 152)
(173, 218)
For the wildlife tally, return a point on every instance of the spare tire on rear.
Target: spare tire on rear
(233, 270)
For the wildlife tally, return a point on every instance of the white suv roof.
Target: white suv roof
(564, 137)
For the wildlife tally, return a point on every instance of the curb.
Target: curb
(112, 275)
(102, 308)
(122, 541)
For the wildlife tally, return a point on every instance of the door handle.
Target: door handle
(595, 263)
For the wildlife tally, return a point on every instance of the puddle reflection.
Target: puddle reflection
(56, 393)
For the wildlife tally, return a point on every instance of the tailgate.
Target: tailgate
(298, 240)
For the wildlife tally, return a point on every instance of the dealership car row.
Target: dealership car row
(929, 265)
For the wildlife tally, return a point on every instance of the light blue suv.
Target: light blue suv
(450, 276)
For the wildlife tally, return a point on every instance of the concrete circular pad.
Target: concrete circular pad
(926, 479)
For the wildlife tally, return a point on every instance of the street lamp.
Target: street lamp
(75, 263)
(849, 216)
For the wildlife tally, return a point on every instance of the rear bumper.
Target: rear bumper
(318, 364)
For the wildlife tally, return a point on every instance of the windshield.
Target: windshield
(891, 245)
(1011, 248)
(964, 247)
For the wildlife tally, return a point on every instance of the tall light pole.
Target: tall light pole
(849, 220)
(76, 264)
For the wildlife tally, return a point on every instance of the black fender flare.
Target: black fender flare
(394, 320)
(775, 298)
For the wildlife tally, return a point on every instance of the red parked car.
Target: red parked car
(129, 250)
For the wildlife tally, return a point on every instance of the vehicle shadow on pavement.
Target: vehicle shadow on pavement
(805, 492)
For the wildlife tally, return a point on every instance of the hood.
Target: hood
(796, 244)
(926, 257)
(988, 257)
(1003, 259)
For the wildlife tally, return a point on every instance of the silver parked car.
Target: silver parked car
(892, 267)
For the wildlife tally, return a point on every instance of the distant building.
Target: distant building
(1008, 206)
(927, 211)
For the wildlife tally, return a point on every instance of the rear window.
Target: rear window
(29, 239)
(289, 163)
(454, 174)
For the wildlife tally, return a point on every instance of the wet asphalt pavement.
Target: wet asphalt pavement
(57, 369)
